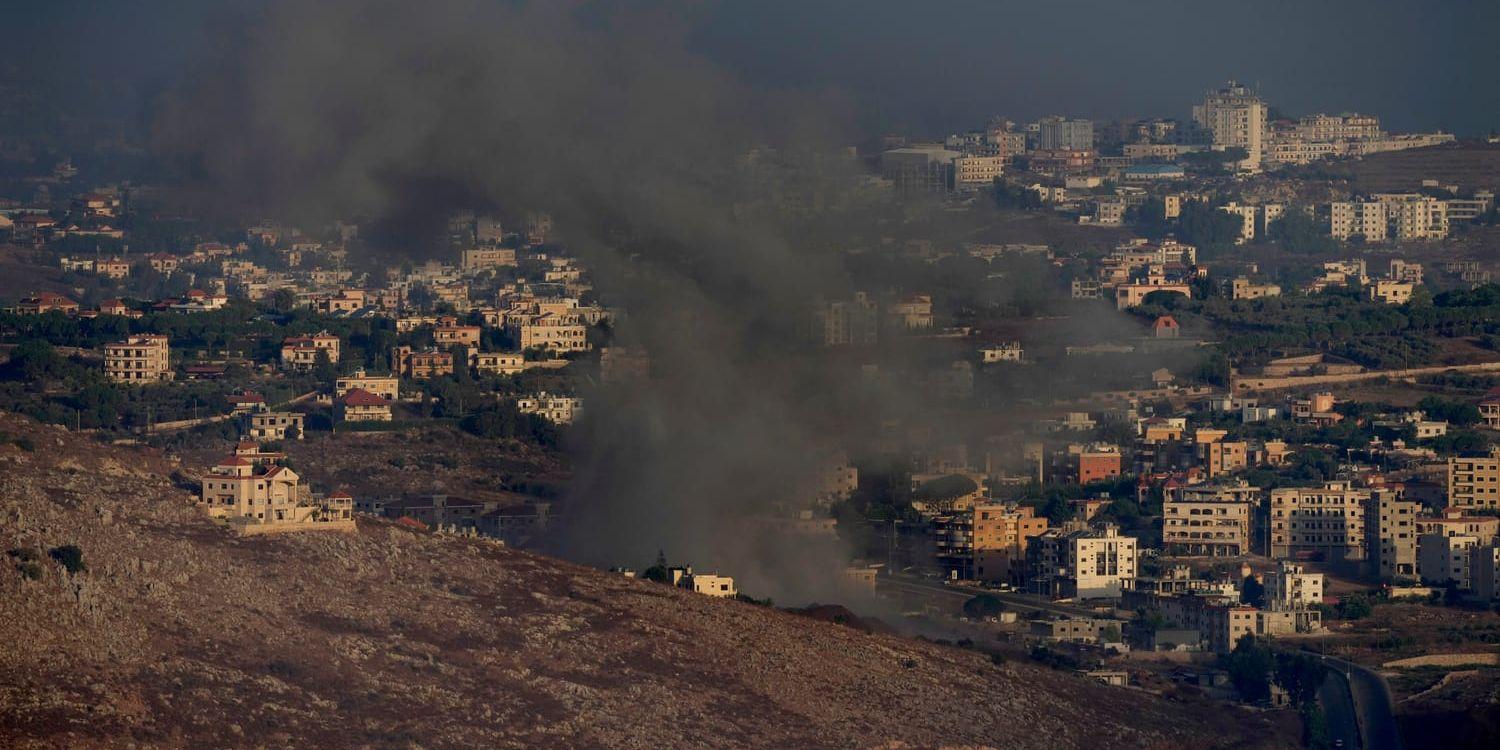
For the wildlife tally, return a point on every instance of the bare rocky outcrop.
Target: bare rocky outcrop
(180, 634)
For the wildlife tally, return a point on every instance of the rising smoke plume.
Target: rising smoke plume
(643, 152)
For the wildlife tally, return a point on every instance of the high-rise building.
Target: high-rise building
(1060, 133)
(1237, 118)
(1391, 536)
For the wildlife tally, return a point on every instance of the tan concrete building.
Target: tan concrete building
(1390, 292)
(477, 258)
(1242, 288)
(1289, 586)
(497, 363)
(555, 409)
(385, 386)
(1325, 522)
(1391, 534)
(359, 405)
(146, 358)
(259, 497)
(302, 352)
(421, 365)
(1208, 521)
(276, 425)
(1474, 482)
(552, 332)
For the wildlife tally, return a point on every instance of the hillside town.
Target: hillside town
(1241, 388)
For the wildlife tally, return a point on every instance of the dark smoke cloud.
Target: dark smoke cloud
(641, 150)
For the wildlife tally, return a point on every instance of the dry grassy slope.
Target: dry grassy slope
(1468, 165)
(179, 635)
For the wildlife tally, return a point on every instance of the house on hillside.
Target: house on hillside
(265, 496)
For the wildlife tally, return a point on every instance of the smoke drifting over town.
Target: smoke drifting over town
(642, 153)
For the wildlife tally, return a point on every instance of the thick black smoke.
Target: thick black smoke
(667, 176)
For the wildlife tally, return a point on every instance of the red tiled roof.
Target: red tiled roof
(234, 461)
(362, 397)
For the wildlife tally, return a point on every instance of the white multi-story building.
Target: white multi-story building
(1291, 587)
(1061, 133)
(1088, 564)
(1444, 558)
(1237, 118)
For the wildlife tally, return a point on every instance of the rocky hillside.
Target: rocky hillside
(172, 633)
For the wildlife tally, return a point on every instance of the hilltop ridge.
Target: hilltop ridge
(179, 634)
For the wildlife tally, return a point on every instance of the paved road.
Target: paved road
(1338, 710)
(1372, 705)
(1016, 601)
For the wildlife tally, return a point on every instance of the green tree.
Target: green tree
(1300, 233)
(1206, 226)
(1299, 675)
(70, 557)
(983, 606)
(1355, 607)
(1249, 667)
(1252, 592)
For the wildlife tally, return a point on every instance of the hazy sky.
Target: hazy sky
(942, 65)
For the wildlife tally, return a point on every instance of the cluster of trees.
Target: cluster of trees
(502, 421)
(1254, 667)
(1343, 323)
(1012, 196)
(1299, 232)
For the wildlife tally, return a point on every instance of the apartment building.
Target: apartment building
(1445, 558)
(1290, 586)
(987, 542)
(1325, 522)
(551, 331)
(448, 333)
(1213, 521)
(971, 173)
(1390, 292)
(1096, 462)
(1237, 118)
(385, 386)
(303, 352)
(1087, 564)
(1343, 127)
(476, 258)
(421, 365)
(851, 322)
(1484, 571)
(1401, 216)
(1474, 482)
(912, 312)
(1056, 132)
(139, 359)
(1391, 536)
